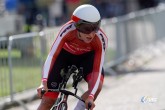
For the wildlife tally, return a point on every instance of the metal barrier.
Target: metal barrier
(132, 31)
(26, 66)
(4, 84)
(23, 65)
(22, 56)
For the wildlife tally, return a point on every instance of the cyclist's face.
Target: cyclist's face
(87, 38)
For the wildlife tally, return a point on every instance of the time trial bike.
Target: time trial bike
(61, 102)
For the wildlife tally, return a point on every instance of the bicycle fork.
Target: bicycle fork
(61, 103)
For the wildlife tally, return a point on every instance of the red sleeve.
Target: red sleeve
(100, 45)
(56, 48)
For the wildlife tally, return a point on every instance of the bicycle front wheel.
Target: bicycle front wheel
(63, 106)
(54, 108)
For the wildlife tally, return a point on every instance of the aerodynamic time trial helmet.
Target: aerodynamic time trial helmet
(87, 18)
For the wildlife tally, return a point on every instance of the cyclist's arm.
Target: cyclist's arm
(55, 49)
(100, 48)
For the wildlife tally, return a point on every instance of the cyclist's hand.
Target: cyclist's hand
(39, 91)
(42, 86)
(89, 100)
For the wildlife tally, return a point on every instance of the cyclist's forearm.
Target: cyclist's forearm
(46, 67)
(94, 84)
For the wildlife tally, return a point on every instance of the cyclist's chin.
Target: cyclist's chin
(88, 41)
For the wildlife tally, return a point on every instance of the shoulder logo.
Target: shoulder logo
(65, 30)
(103, 41)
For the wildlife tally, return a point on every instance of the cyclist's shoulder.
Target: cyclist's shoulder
(67, 27)
(101, 36)
(68, 24)
(100, 40)
(101, 33)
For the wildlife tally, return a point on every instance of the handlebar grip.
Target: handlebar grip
(42, 91)
(73, 68)
(89, 105)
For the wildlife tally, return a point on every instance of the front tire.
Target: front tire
(63, 106)
(54, 108)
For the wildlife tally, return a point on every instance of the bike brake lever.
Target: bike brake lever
(89, 105)
(42, 92)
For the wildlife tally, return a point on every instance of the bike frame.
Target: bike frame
(63, 96)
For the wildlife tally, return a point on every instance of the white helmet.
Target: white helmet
(87, 13)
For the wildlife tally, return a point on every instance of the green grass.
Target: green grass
(26, 77)
(23, 78)
(14, 53)
(26, 72)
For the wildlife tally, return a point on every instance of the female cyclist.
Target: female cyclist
(80, 42)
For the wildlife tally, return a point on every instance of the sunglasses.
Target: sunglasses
(87, 27)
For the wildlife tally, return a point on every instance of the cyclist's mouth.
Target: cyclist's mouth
(89, 38)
